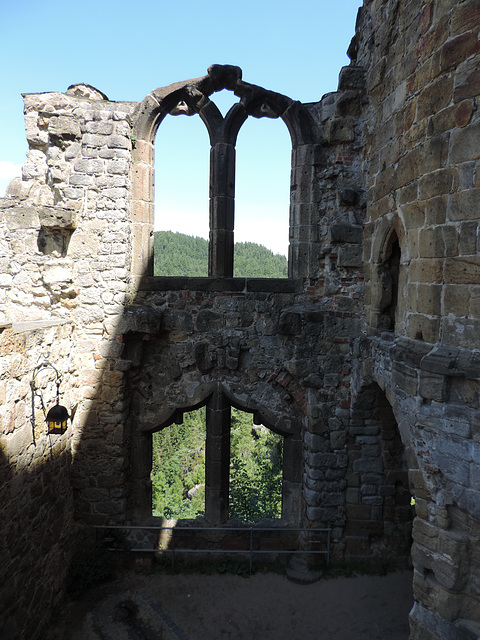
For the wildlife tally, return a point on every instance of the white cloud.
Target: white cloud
(8, 171)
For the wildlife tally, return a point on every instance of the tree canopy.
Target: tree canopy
(178, 469)
(177, 254)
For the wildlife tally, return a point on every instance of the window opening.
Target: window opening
(256, 462)
(379, 483)
(179, 462)
(391, 273)
(192, 97)
(262, 199)
(224, 100)
(178, 468)
(181, 225)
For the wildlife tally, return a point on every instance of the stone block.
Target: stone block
(437, 183)
(358, 512)
(452, 468)
(467, 80)
(350, 256)
(414, 214)
(177, 320)
(464, 205)
(433, 153)
(420, 327)
(338, 439)
(464, 143)
(102, 127)
(462, 270)
(426, 270)
(405, 378)
(290, 323)
(365, 527)
(351, 77)
(63, 127)
(325, 515)
(425, 533)
(346, 233)
(458, 49)
(467, 244)
(465, 17)
(57, 218)
(440, 360)
(208, 320)
(368, 465)
(435, 96)
(118, 142)
(340, 130)
(408, 168)
(89, 166)
(429, 299)
(433, 387)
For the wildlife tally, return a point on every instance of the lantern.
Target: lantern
(57, 417)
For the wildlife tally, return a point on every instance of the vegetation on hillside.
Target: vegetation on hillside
(176, 254)
(178, 469)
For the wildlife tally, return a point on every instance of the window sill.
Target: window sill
(234, 285)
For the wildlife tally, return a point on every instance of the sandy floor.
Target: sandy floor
(263, 606)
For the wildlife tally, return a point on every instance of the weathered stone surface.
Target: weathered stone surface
(57, 218)
(365, 359)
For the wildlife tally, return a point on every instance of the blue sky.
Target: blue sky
(126, 49)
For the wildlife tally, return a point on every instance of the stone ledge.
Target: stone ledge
(35, 325)
(238, 285)
(443, 360)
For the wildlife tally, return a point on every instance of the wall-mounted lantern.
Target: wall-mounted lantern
(57, 416)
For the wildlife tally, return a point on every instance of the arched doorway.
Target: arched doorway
(378, 500)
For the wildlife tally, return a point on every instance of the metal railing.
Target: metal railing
(249, 549)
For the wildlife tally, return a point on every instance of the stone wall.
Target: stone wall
(364, 358)
(421, 152)
(75, 284)
(64, 262)
(36, 497)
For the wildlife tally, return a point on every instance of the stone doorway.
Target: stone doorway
(379, 509)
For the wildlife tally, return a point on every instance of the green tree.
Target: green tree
(178, 469)
(256, 460)
(176, 254)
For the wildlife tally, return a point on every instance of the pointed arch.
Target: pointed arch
(193, 97)
(388, 261)
(284, 419)
(379, 513)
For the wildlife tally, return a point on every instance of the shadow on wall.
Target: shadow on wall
(36, 515)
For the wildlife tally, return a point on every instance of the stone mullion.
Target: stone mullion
(217, 467)
(222, 203)
(140, 502)
(303, 213)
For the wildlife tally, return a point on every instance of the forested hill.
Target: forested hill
(176, 254)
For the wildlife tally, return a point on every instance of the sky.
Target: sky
(126, 49)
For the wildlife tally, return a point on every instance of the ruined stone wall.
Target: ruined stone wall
(64, 260)
(421, 164)
(282, 349)
(375, 391)
(74, 292)
(36, 502)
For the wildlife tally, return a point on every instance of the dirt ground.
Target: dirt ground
(224, 606)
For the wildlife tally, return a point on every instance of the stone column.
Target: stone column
(222, 202)
(218, 459)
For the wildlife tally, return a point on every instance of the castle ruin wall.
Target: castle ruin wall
(365, 359)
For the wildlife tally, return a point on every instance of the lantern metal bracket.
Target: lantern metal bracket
(58, 415)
